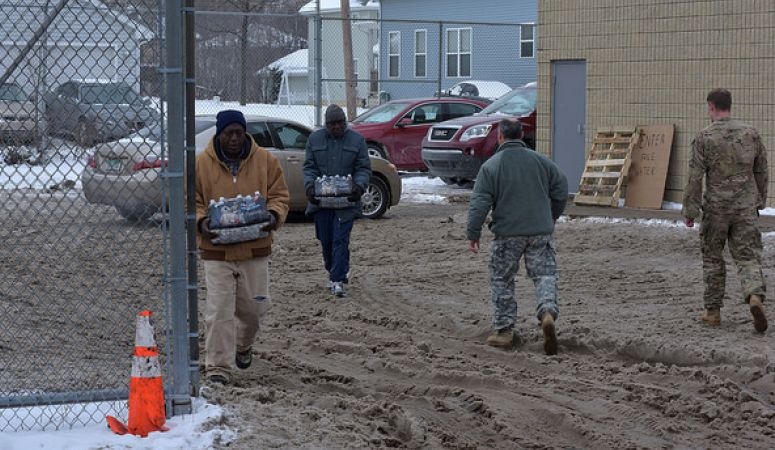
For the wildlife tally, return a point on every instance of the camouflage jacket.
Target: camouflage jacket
(731, 157)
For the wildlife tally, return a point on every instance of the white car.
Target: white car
(491, 90)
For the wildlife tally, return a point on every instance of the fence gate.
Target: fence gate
(85, 241)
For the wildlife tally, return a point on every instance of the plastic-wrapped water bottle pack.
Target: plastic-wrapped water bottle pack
(332, 191)
(238, 219)
(237, 211)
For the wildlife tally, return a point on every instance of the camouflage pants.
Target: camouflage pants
(541, 267)
(745, 245)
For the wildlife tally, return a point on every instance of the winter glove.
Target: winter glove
(356, 194)
(272, 224)
(311, 195)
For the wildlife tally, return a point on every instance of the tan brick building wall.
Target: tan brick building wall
(653, 61)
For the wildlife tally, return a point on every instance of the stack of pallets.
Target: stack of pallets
(606, 168)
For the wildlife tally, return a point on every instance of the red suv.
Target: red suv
(395, 130)
(454, 150)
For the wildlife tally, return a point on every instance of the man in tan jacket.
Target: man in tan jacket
(236, 275)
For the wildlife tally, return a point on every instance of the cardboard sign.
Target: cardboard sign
(648, 168)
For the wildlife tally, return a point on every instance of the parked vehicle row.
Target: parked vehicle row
(126, 173)
(455, 150)
(96, 110)
(18, 124)
(395, 129)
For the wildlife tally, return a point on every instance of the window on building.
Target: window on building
(527, 41)
(420, 53)
(394, 56)
(459, 52)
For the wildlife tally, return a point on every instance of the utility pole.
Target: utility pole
(347, 47)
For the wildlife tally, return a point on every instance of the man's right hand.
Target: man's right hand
(311, 195)
(473, 246)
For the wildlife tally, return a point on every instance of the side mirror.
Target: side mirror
(404, 122)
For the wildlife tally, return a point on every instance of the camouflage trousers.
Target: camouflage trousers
(541, 266)
(741, 230)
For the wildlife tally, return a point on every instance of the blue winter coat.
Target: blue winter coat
(327, 155)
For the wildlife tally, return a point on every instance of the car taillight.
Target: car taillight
(92, 162)
(146, 164)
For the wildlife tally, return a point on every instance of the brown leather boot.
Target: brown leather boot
(501, 338)
(550, 335)
(757, 311)
(711, 317)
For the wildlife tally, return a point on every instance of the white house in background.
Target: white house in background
(85, 40)
(295, 87)
(365, 35)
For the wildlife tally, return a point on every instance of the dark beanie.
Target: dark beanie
(228, 117)
(334, 114)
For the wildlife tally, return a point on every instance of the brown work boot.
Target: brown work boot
(502, 338)
(550, 335)
(757, 311)
(711, 317)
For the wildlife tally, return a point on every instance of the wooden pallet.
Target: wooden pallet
(606, 168)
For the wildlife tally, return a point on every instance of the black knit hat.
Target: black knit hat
(228, 117)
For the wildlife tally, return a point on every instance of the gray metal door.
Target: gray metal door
(569, 106)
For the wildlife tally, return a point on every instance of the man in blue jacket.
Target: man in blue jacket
(526, 192)
(336, 150)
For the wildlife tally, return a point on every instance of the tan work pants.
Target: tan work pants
(237, 299)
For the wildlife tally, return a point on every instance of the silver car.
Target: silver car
(17, 115)
(96, 110)
(126, 174)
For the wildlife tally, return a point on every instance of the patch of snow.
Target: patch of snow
(192, 431)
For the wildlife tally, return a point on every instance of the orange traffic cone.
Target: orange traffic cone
(146, 393)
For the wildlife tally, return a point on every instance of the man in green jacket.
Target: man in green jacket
(526, 193)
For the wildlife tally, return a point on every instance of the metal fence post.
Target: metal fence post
(193, 298)
(179, 399)
(441, 47)
(318, 66)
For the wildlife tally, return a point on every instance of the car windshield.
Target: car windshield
(108, 94)
(11, 92)
(381, 113)
(519, 102)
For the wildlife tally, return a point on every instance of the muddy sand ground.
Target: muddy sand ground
(401, 361)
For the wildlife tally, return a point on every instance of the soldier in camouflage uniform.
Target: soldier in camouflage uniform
(526, 193)
(730, 155)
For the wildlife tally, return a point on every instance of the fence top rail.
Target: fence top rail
(433, 21)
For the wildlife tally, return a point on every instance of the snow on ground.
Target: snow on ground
(186, 432)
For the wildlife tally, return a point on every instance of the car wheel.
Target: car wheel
(375, 200)
(86, 134)
(448, 181)
(137, 213)
(468, 184)
(376, 151)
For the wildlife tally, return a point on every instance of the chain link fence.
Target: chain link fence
(79, 258)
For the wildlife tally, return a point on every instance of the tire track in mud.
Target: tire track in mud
(401, 362)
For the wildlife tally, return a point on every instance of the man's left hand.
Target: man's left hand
(272, 224)
(473, 246)
(356, 194)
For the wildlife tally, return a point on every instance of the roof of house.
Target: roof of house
(21, 11)
(296, 62)
(334, 5)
